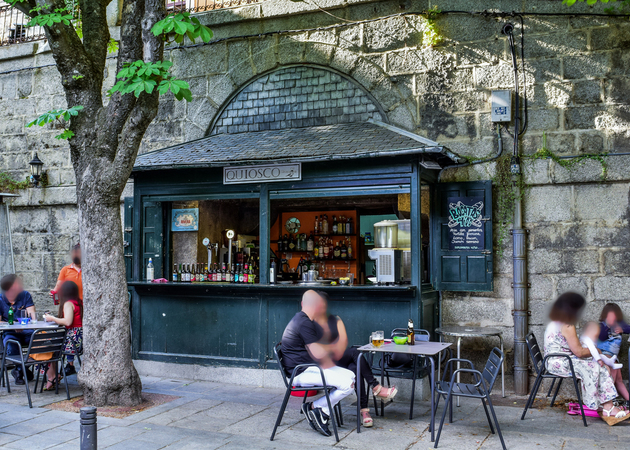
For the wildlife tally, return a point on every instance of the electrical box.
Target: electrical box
(501, 108)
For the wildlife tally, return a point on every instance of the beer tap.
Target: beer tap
(210, 246)
(230, 236)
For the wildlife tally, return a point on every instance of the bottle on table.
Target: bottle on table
(150, 270)
(411, 334)
(10, 316)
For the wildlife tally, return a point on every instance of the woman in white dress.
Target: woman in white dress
(598, 386)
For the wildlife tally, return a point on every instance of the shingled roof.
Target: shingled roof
(329, 142)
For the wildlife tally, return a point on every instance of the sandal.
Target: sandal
(391, 392)
(366, 419)
(53, 383)
(613, 420)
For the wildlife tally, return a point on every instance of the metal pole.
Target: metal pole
(88, 428)
(519, 284)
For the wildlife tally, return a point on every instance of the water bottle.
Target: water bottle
(150, 271)
(11, 315)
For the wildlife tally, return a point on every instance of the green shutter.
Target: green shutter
(152, 237)
(458, 269)
(128, 237)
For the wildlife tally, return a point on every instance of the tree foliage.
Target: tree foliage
(619, 5)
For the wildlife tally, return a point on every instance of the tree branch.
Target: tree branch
(95, 30)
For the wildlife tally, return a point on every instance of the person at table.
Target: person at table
(305, 341)
(598, 381)
(70, 316)
(15, 297)
(71, 272)
(349, 361)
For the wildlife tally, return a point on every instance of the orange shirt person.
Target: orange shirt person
(71, 272)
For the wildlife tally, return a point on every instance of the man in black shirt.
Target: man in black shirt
(314, 337)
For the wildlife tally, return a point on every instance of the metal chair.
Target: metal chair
(417, 368)
(481, 389)
(540, 364)
(287, 377)
(42, 341)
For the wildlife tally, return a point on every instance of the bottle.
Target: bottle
(334, 226)
(316, 225)
(150, 270)
(174, 273)
(325, 224)
(310, 244)
(292, 243)
(316, 251)
(223, 274)
(285, 243)
(233, 274)
(349, 249)
(337, 251)
(246, 274)
(237, 274)
(344, 250)
(321, 224)
(349, 226)
(215, 272)
(272, 272)
(193, 274)
(323, 252)
(251, 275)
(10, 316)
(411, 335)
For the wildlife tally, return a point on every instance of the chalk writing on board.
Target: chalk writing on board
(466, 231)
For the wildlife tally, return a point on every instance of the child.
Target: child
(588, 338)
(71, 317)
(612, 327)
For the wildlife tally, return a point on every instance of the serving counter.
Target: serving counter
(238, 325)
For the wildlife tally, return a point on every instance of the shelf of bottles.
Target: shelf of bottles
(326, 240)
(243, 272)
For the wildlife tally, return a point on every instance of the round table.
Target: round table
(464, 332)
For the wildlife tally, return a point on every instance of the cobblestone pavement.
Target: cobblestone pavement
(226, 416)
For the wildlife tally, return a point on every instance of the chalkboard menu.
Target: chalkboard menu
(465, 225)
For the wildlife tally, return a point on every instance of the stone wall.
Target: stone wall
(577, 73)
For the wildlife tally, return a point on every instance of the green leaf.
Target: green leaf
(66, 134)
(205, 34)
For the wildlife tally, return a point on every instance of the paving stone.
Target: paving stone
(47, 439)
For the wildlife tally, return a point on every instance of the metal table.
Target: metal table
(462, 332)
(39, 325)
(426, 349)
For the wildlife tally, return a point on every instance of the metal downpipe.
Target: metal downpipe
(520, 285)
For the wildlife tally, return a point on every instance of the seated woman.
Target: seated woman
(598, 386)
(70, 316)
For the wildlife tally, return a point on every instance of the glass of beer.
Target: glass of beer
(378, 337)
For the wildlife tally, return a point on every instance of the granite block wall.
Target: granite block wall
(576, 74)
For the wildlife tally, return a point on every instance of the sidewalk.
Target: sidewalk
(217, 415)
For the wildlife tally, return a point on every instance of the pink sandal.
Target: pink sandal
(366, 419)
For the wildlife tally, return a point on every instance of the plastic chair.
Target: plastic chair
(42, 341)
(481, 389)
(540, 364)
(287, 377)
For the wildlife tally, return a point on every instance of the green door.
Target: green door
(461, 236)
(128, 237)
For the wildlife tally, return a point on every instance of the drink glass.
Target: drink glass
(23, 316)
(378, 338)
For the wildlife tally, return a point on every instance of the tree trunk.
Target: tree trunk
(108, 376)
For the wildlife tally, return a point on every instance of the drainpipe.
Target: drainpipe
(519, 246)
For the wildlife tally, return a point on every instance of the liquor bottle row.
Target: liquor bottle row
(342, 226)
(201, 273)
(322, 248)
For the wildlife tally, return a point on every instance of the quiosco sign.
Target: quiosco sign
(262, 174)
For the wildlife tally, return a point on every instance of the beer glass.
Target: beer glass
(378, 338)
(23, 316)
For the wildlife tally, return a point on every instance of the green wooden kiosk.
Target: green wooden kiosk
(248, 181)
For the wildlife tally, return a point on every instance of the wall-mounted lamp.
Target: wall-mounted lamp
(36, 170)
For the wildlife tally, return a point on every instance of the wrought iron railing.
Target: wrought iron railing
(13, 29)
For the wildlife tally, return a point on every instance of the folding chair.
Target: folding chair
(337, 417)
(484, 381)
(42, 341)
(540, 364)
